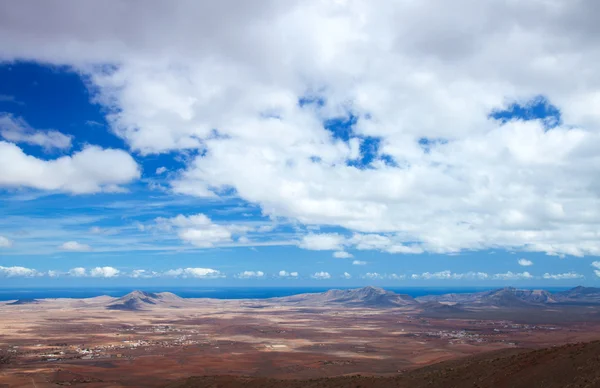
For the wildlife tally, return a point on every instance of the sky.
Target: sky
(300, 143)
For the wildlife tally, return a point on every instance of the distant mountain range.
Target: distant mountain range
(513, 297)
(504, 297)
(368, 297)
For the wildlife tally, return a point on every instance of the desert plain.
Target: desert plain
(150, 340)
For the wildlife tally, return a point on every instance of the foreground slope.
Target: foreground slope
(573, 365)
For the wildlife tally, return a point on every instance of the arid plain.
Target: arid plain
(146, 340)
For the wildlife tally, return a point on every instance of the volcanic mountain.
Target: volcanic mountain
(579, 295)
(363, 297)
(503, 297)
(23, 301)
(141, 300)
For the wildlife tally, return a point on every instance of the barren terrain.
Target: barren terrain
(145, 340)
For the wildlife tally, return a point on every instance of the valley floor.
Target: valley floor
(65, 342)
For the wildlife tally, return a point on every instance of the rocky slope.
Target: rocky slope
(574, 366)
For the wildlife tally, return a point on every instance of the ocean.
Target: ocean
(215, 292)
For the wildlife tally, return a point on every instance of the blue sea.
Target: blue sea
(214, 292)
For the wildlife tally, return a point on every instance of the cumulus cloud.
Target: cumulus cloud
(342, 255)
(359, 262)
(346, 275)
(77, 272)
(562, 276)
(444, 177)
(250, 275)
(394, 276)
(161, 170)
(285, 274)
(16, 130)
(512, 276)
(321, 275)
(596, 265)
(525, 262)
(104, 272)
(200, 273)
(449, 275)
(90, 170)
(384, 243)
(199, 230)
(74, 246)
(322, 242)
(18, 272)
(143, 274)
(5, 242)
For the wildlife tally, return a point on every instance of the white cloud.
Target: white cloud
(374, 276)
(77, 272)
(342, 255)
(346, 275)
(74, 246)
(201, 273)
(512, 276)
(8, 98)
(200, 231)
(206, 237)
(5, 242)
(161, 170)
(417, 74)
(322, 242)
(143, 274)
(525, 262)
(53, 274)
(389, 244)
(596, 264)
(359, 262)
(449, 275)
(562, 276)
(91, 170)
(17, 130)
(285, 274)
(397, 277)
(321, 275)
(104, 272)
(18, 272)
(250, 275)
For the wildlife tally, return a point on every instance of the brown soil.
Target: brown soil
(573, 365)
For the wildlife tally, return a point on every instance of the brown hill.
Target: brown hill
(373, 297)
(574, 365)
(503, 297)
(140, 300)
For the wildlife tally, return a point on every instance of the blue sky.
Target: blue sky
(145, 157)
(121, 229)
